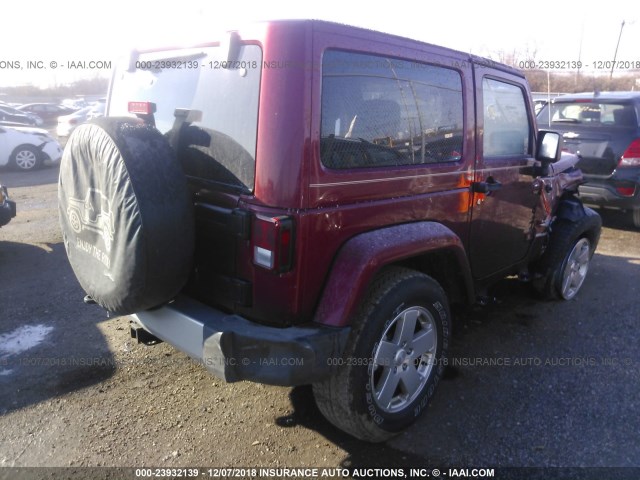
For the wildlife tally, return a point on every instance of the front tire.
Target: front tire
(563, 268)
(394, 358)
(574, 269)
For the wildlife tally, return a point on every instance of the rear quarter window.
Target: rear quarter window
(379, 111)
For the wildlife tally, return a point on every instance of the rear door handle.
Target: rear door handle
(491, 185)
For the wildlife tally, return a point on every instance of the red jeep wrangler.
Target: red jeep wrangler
(301, 202)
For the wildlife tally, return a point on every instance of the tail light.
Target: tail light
(631, 156)
(626, 191)
(141, 108)
(272, 242)
(144, 111)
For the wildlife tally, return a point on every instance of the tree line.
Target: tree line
(573, 82)
(88, 86)
(539, 81)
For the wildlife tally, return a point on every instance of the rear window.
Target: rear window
(589, 113)
(208, 113)
(379, 111)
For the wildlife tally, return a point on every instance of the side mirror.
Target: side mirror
(549, 147)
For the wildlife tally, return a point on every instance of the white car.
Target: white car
(27, 148)
(97, 110)
(68, 123)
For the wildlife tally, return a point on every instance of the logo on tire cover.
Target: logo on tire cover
(93, 213)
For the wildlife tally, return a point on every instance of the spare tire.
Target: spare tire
(126, 214)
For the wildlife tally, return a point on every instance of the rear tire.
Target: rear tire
(394, 357)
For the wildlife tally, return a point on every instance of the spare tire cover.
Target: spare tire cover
(126, 214)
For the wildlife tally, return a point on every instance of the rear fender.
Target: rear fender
(362, 256)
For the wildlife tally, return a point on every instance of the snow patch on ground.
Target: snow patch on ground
(22, 339)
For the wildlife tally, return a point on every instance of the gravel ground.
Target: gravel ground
(562, 387)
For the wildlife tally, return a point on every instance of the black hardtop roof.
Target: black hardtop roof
(374, 35)
(409, 42)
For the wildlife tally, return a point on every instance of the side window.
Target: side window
(379, 111)
(506, 124)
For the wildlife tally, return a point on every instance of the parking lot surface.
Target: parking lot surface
(530, 383)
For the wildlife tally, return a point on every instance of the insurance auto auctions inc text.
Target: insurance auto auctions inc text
(394, 473)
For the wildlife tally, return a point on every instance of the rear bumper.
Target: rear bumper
(606, 196)
(233, 348)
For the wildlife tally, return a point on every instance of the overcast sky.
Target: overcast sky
(101, 30)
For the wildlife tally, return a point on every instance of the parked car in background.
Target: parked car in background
(12, 114)
(75, 104)
(603, 129)
(538, 105)
(49, 112)
(7, 115)
(67, 123)
(7, 207)
(97, 110)
(27, 148)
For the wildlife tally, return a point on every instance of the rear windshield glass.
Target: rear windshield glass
(588, 113)
(379, 111)
(209, 113)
